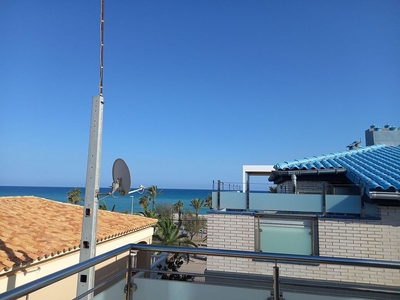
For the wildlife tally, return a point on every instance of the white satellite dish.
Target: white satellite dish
(121, 177)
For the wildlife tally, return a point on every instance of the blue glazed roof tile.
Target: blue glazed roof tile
(377, 167)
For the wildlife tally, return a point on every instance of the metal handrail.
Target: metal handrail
(282, 258)
(59, 275)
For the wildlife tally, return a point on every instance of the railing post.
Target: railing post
(219, 195)
(247, 195)
(324, 198)
(129, 280)
(276, 282)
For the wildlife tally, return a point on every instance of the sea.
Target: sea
(128, 203)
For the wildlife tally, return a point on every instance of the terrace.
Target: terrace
(135, 282)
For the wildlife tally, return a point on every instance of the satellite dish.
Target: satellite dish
(121, 177)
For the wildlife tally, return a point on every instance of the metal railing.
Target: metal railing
(276, 258)
(62, 274)
(319, 188)
(324, 198)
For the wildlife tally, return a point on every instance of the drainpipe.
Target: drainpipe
(294, 181)
(219, 195)
(385, 195)
(362, 201)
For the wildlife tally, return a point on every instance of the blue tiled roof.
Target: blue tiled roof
(378, 166)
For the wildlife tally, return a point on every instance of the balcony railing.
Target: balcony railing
(329, 199)
(219, 284)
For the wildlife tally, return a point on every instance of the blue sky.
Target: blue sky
(193, 89)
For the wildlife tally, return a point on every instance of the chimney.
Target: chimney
(389, 135)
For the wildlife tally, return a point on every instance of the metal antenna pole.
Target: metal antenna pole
(86, 278)
(101, 48)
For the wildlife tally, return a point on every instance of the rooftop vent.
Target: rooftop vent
(354, 145)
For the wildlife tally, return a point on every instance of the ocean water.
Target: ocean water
(122, 203)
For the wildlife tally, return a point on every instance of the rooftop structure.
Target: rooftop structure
(389, 135)
(255, 170)
(376, 168)
(343, 204)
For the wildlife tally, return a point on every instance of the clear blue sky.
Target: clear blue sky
(193, 89)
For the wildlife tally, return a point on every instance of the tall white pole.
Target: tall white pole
(91, 205)
(132, 198)
(86, 278)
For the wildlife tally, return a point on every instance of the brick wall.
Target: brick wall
(229, 231)
(365, 239)
(352, 238)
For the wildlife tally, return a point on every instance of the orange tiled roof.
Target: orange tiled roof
(33, 228)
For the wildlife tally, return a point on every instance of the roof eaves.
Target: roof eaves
(276, 174)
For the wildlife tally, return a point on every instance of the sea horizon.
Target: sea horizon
(128, 203)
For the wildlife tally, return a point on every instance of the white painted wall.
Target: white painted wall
(263, 170)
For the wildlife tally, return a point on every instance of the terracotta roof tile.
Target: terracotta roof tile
(33, 228)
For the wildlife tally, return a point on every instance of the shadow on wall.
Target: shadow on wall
(17, 260)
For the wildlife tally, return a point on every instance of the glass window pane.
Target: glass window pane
(286, 236)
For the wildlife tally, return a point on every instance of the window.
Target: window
(287, 235)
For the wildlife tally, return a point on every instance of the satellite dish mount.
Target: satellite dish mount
(121, 178)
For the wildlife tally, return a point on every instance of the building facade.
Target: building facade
(345, 205)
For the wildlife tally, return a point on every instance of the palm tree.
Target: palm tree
(178, 208)
(168, 233)
(208, 201)
(144, 202)
(154, 193)
(197, 205)
(273, 189)
(74, 196)
(103, 206)
(148, 213)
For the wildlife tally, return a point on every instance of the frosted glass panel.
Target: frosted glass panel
(115, 291)
(286, 236)
(148, 289)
